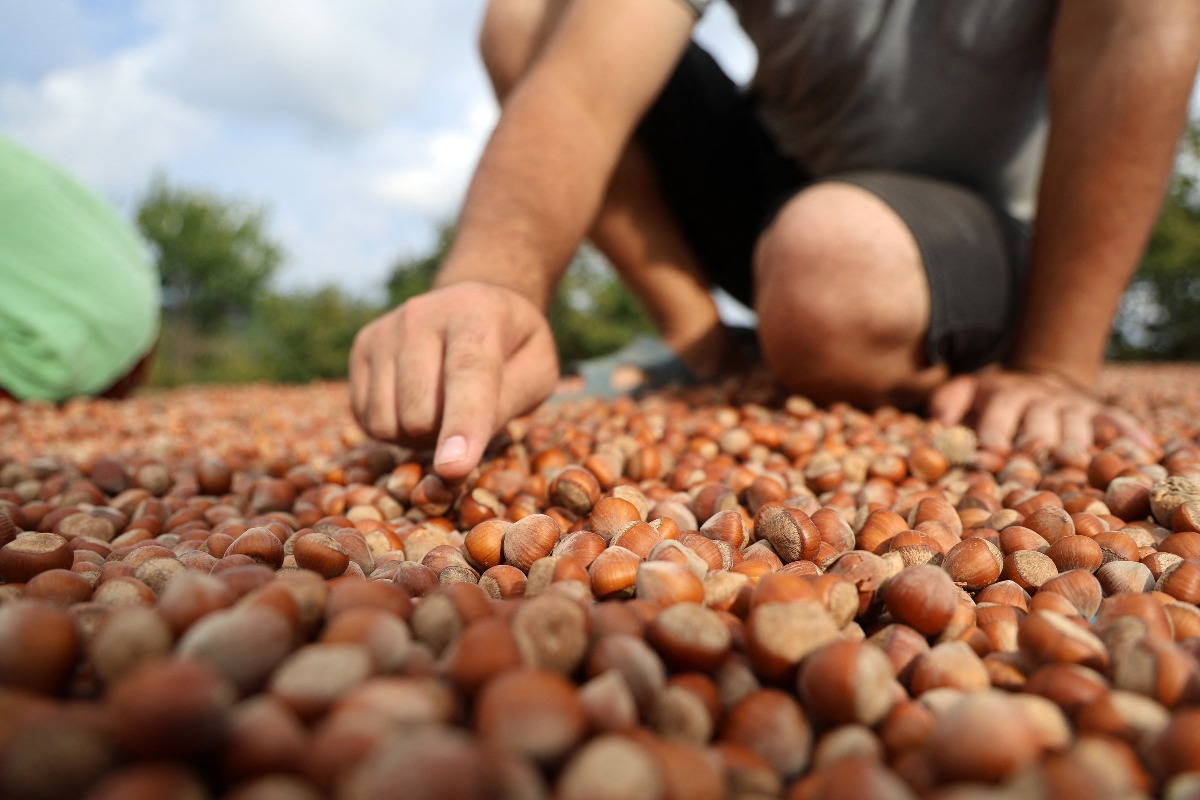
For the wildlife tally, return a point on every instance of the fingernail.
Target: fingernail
(452, 450)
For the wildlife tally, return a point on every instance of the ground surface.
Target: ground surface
(711, 593)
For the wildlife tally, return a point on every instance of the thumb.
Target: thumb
(951, 401)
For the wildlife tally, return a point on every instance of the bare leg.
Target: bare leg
(843, 301)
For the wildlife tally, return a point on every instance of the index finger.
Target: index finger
(472, 367)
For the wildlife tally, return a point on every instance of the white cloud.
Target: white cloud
(340, 68)
(355, 123)
(436, 167)
(103, 122)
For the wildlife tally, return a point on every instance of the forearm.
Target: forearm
(532, 198)
(545, 171)
(1120, 76)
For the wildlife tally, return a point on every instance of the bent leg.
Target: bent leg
(842, 299)
(874, 286)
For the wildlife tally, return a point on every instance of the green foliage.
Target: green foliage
(592, 312)
(1160, 318)
(413, 276)
(213, 255)
(307, 335)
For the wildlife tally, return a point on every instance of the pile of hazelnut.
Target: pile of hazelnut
(705, 593)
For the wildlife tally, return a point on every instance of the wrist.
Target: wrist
(1070, 376)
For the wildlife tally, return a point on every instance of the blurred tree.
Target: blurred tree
(214, 256)
(1160, 318)
(414, 276)
(307, 335)
(592, 313)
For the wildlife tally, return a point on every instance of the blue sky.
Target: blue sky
(354, 123)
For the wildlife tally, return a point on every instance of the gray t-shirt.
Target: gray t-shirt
(949, 88)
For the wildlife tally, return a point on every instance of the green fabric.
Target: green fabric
(79, 296)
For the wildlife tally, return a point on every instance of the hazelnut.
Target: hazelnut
(974, 563)
(923, 597)
(844, 682)
(529, 539)
(31, 553)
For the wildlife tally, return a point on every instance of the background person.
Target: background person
(79, 295)
(873, 197)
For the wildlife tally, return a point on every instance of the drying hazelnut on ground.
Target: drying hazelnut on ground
(640, 666)
(1047, 636)
(1123, 715)
(664, 583)
(923, 597)
(1076, 552)
(967, 744)
(171, 709)
(552, 633)
(310, 680)
(867, 571)
(973, 563)
(1004, 593)
(534, 711)
(1169, 494)
(503, 582)
(32, 553)
(320, 553)
(125, 639)
(879, 526)
(576, 489)
(771, 724)
(62, 587)
(1181, 582)
(1080, 587)
(637, 537)
(439, 617)
(589, 773)
(727, 526)
(689, 636)
(480, 654)
(610, 514)
(780, 635)
(242, 644)
(38, 646)
(529, 539)
(951, 665)
(417, 580)
(792, 534)
(583, 546)
(845, 682)
(1176, 749)
(261, 544)
(1028, 569)
(614, 572)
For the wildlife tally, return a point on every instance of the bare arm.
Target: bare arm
(543, 175)
(1120, 75)
(452, 366)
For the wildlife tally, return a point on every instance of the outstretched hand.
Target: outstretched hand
(1013, 409)
(450, 368)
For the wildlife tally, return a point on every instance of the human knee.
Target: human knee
(808, 342)
(839, 295)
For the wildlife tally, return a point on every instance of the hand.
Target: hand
(450, 368)
(1011, 409)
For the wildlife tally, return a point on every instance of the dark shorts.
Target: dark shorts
(724, 180)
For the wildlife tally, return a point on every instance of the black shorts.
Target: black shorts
(725, 179)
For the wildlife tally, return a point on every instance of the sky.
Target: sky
(355, 124)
